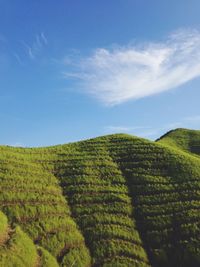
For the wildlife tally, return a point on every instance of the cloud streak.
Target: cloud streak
(153, 132)
(131, 72)
(35, 48)
(141, 131)
(3, 39)
(118, 129)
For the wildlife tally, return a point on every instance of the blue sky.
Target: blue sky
(71, 70)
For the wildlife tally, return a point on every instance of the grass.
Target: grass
(3, 228)
(112, 201)
(184, 139)
(46, 259)
(18, 251)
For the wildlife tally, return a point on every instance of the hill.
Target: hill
(184, 139)
(115, 200)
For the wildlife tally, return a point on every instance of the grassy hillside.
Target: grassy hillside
(184, 139)
(17, 249)
(112, 201)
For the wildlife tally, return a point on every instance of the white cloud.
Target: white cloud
(132, 72)
(192, 122)
(140, 131)
(153, 132)
(43, 38)
(3, 38)
(193, 119)
(35, 48)
(122, 129)
(18, 58)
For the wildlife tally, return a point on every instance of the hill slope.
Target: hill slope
(184, 139)
(115, 200)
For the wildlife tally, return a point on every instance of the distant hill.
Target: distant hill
(187, 140)
(111, 201)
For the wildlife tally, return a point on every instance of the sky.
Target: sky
(72, 70)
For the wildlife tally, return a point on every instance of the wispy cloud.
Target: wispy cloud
(126, 129)
(193, 119)
(186, 122)
(2, 38)
(18, 58)
(43, 38)
(131, 72)
(36, 47)
(141, 131)
(191, 122)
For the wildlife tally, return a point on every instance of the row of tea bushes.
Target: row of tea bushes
(17, 249)
(166, 196)
(32, 198)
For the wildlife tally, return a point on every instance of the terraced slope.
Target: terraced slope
(32, 198)
(116, 200)
(187, 140)
(17, 249)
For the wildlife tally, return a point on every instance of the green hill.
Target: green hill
(115, 200)
(184, 139)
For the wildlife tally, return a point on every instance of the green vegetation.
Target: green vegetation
(17, 249)
(46, 259)
(112, 201)
(3, 228)
(184, 139)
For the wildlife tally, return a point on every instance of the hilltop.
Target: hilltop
(184, 139)
(111, 201)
